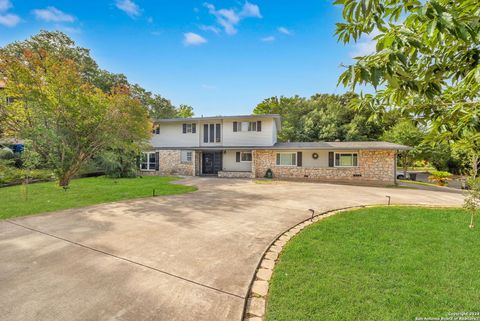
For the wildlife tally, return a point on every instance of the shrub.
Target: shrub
(6, 153)
(440, 177)
(11, 174)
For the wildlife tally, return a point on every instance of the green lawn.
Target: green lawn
(394, 263)
(47, 197)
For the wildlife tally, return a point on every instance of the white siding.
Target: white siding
(246, 138)
(171, 135)
(230, 162)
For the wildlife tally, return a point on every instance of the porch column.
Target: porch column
(254, 162)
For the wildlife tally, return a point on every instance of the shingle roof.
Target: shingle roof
(340, 145)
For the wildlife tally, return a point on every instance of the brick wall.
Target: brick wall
(374, 167)
(170, 164)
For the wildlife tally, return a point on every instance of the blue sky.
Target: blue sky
(221, 57)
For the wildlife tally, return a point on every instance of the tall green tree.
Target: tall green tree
(406, 133)
(426, 61)
(324, 117)
(68, 119)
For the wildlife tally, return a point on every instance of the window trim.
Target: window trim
(289, 153)
(345, 153)
(148, 162)
(246, 126)
(247, 161)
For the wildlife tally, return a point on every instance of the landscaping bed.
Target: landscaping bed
(385, 263)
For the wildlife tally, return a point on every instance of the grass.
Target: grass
(417, 182)
(388, 264)
(47, 197)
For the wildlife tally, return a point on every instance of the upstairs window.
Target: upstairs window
(189, 128)
(247, 126)
(346, 159)
(156, 129)
(212, 133)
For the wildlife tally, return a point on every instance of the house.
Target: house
(246, 147)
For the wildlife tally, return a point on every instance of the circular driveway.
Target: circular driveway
(183, 257)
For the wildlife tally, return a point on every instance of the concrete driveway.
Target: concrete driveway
(183, 257)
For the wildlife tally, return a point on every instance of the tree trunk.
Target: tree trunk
(474, 165)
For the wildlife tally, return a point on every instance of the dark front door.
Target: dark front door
(211, 162)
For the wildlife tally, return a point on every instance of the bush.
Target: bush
(440, 177)
(10, 174)
(6, 153)
(118, 164)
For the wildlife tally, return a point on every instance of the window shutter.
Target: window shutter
(157, 161)
(278, 158)
(138, 161)
(238, 157)
(259, 126)
(205, 133)
(299, 159)
(234, 126)
(184, 128)
(331, 159)
(194, 128)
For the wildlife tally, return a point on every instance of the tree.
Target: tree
(68, 119)
(184, 111)
(472, 199)
(426, 61)
(324, 117)
(406, 133)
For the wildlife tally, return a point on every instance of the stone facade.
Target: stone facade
(171, 164)
(375, 166)
(232, 174)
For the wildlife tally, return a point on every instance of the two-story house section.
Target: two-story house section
(246, 146)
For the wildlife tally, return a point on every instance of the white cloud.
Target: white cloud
(129, 7)
(268, 39)
(193, 39)
(284, 30)
(9, 20)
(250, 10)
(229, 18)
(209, 28)
(5, 5)
(53, 14)
(365, 46)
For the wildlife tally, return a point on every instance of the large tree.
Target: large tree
(324, 117)
(68, 119)
(426, 61)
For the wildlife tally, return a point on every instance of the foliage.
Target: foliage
(440, 177)
(10, 174)
(67, 119)
(472, 199)
(47, 197)
(406, 133)
(325, 117)
(6, 153)
(184, 111)
(118, 163)
(369, 264)
(426, 61)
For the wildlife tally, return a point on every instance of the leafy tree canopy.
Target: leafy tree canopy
(426, 61)
(325, 117)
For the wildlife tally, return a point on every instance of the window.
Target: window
(346, 159)
(246, 156)
(247, 126)
(148, 161)
(189, 128)
(156, 129)
(212, 133)
(186, 156)
(286, 159)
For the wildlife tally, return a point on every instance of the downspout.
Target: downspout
(395, 168)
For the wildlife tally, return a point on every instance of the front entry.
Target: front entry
(211, 163)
